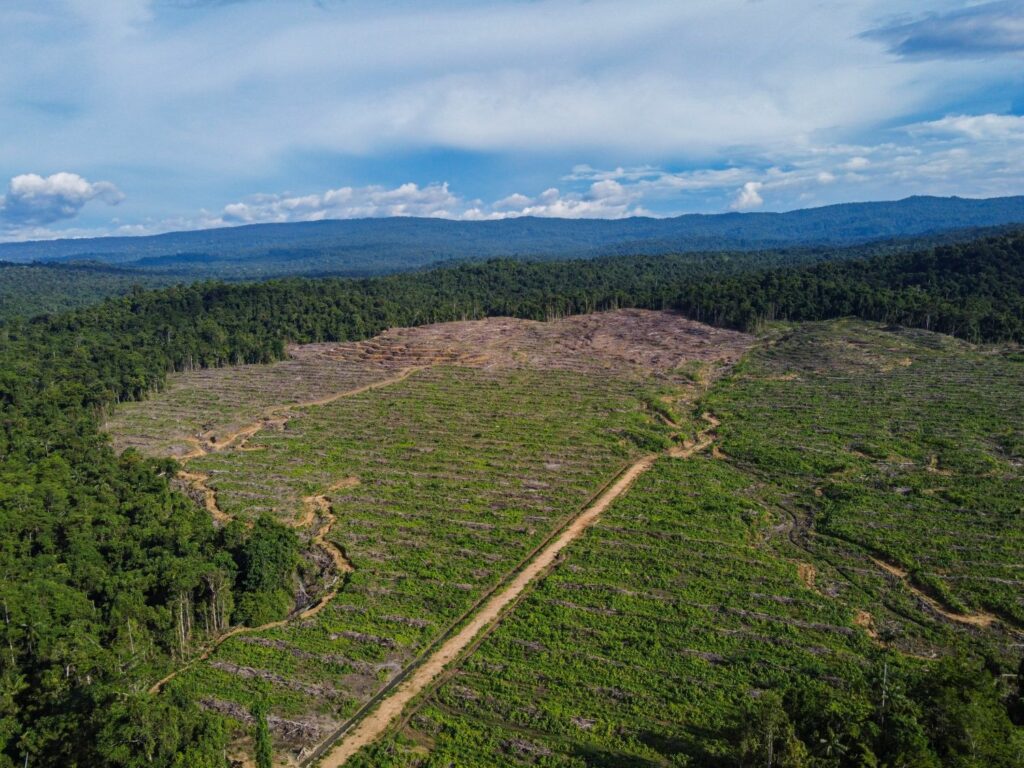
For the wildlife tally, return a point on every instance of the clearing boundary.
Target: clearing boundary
(314, 505)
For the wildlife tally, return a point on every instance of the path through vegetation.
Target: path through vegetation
(371, 723)
(315, 506)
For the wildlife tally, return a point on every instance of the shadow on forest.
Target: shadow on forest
(692, 745)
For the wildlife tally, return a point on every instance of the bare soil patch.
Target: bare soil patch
(623, 341)
(808, 573)
(866, 621)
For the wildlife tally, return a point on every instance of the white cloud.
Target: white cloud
(748, 197)
(512, 202)
(970, 155)
(666, 79)
(858, 163)
(433, 200)
(988, 127)
(32, 199)
(603, 199)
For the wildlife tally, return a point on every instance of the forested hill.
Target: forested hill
(49, 287)
(27, 290)
(102, 566)
(973, 290)
(375, 246)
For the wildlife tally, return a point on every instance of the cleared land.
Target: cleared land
(207, 408)
(465, 470)
(860, 515)
(379, 719)
(642, 644)
(897, 456)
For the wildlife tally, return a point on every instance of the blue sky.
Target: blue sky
(142, 116)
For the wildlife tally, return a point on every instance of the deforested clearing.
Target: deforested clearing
(719, 595)
(473, 444)
(750, 552)
(210, 406)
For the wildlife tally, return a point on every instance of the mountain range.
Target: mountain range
(359, 247)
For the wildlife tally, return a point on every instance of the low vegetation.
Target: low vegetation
(456, 474)
(737, 609)
(895, 447)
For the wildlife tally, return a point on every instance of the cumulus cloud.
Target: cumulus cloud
(977, 127)
(33, 200)
(433, 200)
(977, 155)
(748, 197)
(979, 30)
(939, 157)
(603, 199)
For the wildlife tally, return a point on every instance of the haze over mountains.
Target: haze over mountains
(372, 246)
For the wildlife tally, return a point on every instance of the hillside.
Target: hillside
(373, 246)
(795, 595)
(278, 547)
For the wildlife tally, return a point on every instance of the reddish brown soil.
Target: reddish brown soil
(627, 340)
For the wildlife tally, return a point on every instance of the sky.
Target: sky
(126, 117)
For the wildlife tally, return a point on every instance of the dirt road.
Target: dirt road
(279, 414)
(315, 505)
(377, 721)
(979, 619)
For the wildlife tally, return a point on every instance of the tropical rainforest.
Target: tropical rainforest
(109, 575)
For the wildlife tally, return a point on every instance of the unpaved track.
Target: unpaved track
(370, 727)
(279, 414)
(198, 480)
(972, 619)
(314, 506)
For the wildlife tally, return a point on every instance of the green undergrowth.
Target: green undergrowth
(671, 636)
(734, 611)
(901, 443)
(462, 473)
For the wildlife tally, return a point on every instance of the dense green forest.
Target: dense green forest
(27, 290)
(108, 575)
(972, 290)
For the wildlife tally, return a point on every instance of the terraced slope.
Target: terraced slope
(208, 408)
(462, 473)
